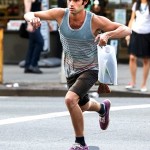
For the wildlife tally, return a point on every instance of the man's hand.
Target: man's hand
(34, 21)
(102, 39)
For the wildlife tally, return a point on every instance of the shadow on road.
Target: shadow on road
(94, 148)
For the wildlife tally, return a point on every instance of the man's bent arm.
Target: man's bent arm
(112, 29)
(121, 32)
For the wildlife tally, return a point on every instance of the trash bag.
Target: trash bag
(107, 65)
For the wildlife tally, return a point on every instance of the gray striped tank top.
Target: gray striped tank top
(80, 50)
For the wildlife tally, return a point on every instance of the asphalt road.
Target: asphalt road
(43, 123)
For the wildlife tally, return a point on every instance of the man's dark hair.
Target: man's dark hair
(89, 2)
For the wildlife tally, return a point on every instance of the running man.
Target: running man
(79, 33)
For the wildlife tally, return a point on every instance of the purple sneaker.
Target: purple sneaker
(77, 146)
(104, 120)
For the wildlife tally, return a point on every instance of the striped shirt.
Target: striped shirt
(80, 50)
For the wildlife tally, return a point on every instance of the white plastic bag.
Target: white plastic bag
(107, 65)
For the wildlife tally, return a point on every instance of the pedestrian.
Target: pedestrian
(78, 30)
(36, 41)
(98, 7)
(139, 44)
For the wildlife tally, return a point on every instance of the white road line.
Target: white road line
(130, 107)
(33, 118)
(62, 114)
(2, 97)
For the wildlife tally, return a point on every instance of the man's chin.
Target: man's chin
(72, 12)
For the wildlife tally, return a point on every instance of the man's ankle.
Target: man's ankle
(102, 110)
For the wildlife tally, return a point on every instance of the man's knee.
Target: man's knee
(71, 99)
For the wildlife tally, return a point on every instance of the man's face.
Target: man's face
(75, 6)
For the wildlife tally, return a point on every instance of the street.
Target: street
(43, 123)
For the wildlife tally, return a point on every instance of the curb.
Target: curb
(61, 92)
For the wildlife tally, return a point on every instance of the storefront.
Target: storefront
(15, 47)
(120, 11)
(13, 10)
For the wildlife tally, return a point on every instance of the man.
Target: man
(79, 30)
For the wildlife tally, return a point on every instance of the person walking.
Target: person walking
(36, 41)
(139, 42)
(98, 7)
(78, 30)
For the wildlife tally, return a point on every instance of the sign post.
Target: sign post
(1, 55)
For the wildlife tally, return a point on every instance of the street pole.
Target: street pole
(1, 55)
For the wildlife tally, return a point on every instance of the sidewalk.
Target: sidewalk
(16, 83)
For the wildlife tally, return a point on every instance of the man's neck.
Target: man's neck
(78, 16)
(76, 21)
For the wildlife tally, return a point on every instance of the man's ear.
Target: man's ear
(85, 2)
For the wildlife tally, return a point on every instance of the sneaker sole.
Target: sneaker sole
(109, 111)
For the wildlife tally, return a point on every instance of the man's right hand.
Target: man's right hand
(34, 21)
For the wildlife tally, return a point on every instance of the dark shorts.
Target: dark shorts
(140, 45)
(82, 83)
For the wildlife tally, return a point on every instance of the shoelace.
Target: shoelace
(77, 146)
(103, 119)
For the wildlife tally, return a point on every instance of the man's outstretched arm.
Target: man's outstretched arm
(52, 14)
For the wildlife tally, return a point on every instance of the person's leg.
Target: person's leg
(101, 108)
(39, 43)
(146, 68)
(77, 119)
(30, 50)
(75, 111)
(92, 105)
(133, 68)
(77, 101)
(77, 95)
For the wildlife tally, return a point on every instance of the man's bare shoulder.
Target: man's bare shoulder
(59, 13)
(58, 10)
(99, 19)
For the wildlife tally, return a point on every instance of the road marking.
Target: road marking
(130, 107)
(62, 114)
(33, 118)
(2, 97)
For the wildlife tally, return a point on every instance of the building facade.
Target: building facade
(12, 11)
